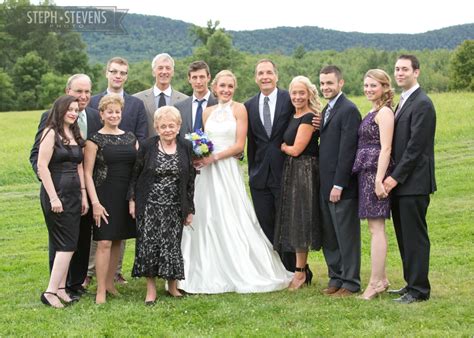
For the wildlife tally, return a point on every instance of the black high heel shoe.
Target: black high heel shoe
(309, 275)
(45, 300)
(299, 283)
(74, 299)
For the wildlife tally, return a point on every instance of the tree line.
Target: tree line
(35, 63)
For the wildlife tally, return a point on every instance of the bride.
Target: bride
(225, 250)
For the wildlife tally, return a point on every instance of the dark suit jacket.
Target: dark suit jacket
(185, 107)
(144, 175)
(134, 117)
(264, 155)
(413, 146)
(93, 125)
(337, 149)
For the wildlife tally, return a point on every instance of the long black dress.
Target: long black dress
(112, 172)
(163, 189)
(63, 228)
(297, 226)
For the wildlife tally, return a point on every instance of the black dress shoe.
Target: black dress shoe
(408, 299)
(76, 291)
(150, 302)
(73, 298)
(399, 292)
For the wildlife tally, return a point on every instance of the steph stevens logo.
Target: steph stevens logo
(73, 17)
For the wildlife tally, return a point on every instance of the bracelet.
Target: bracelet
(95, 202)
(53, 200)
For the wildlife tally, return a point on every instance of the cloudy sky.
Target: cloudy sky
(368, 16)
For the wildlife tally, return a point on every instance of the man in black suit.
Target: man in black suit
(265, 159)
(338, 194)
(78, 85)
(192, 107)
(413, 179)
(134, 119)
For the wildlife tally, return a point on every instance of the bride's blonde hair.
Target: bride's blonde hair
(223, 73)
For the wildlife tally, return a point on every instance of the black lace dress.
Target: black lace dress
(63, 228)
(297, 226)
(114, 162)
(163, 194)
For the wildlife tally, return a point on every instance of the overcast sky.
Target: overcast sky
(367, 16)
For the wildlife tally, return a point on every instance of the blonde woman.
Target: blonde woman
(297, 222)
(372, 164)
(227, 251)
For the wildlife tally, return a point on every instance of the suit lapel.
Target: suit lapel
(189, 115)
(278, 111)
(407, 104)
(334, 109)
(257, 122)
(150, 101)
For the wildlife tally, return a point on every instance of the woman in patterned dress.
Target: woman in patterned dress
(161, 198)
(109, 158)
(372, 164)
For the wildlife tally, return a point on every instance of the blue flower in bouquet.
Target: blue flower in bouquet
(202, 145)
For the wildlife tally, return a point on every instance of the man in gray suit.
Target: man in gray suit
(191, 108)
(161, 94)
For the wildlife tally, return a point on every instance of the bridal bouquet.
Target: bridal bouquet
(202, 145)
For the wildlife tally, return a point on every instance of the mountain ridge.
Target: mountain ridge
(148, 35)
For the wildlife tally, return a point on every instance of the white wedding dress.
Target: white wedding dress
(227, 251)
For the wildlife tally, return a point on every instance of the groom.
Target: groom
(269, 113)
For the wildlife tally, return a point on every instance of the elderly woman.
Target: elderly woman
(297, 221)
(161, 198)
(63, 196)
(109, 158)
(372, 164)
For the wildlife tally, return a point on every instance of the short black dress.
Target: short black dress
(297, 226)
(63, 228)
(114, 162)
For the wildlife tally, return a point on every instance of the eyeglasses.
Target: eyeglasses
(115, 72)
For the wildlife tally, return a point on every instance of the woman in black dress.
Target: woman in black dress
(63, 195)
(109, 158)
(297, 221)
(161, 197)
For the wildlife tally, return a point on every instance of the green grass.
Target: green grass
(24, 269)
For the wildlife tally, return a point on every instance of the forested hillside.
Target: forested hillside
(148, 35)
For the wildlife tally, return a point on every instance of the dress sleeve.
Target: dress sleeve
(307, 118)
(136, 171)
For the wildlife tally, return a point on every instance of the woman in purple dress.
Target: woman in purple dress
(372, 164)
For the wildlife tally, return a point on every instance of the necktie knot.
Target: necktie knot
(161, 100)
(266, 99)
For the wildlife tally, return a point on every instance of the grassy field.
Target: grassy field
(450, 312)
